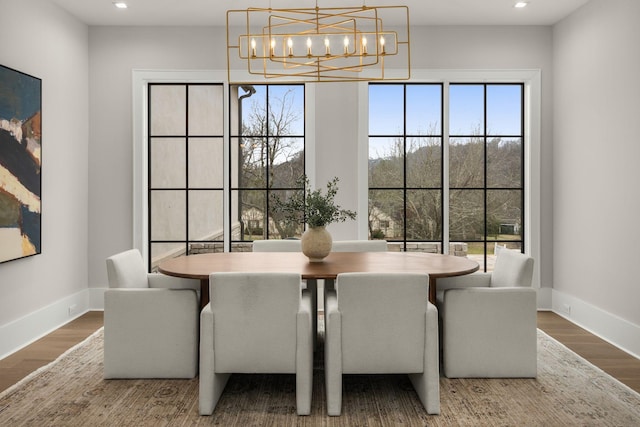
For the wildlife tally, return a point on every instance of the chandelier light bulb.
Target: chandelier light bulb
(290, 46)
(260, 42)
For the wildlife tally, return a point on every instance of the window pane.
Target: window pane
(386, 162)
(279, 228)
(251, 208)
(466, 215)
(206, 162)
(270, 154)
(424, 162)
(466, 162)
(286, 161)
(504, 110)
(206, 215)
(386, 109)
(162, 251)
(504, 163)
(167, 162)
(424, 109)
(466, 110)
(168, 109)
(386, 214)
(286, 110)
(424, 215)
(168, 214)
(206, 110)
(251, 166)
(504, 214)
(254, 110)
(178, 163)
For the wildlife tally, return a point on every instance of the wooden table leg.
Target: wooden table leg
(204, 293)
(432, 290)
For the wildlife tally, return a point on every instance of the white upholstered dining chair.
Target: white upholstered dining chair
(359, 246)
(150, 322)
(255, 323)
(277, 245)
(292, 245)
(489, 319)
(355, 246)
(382, 323)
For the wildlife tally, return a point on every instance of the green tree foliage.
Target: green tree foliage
(312, 207)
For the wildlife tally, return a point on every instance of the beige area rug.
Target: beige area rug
(568, 392)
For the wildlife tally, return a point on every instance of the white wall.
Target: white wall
(115, 51)
(442, 48)
(595, 153)
(40, 39)
(504, 47)
(590, 93)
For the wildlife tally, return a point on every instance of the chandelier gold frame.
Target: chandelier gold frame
(318, 44)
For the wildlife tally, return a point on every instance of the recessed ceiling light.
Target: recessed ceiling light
(120, 4)
(521, 4)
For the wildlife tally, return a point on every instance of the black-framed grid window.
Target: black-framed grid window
(486, 167)
(406, 165)
(267, 137)
(185, 149)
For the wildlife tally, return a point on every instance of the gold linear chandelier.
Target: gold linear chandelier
(318, 44)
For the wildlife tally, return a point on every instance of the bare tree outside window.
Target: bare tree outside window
(485, 167)
(405, 163)
(268, 151)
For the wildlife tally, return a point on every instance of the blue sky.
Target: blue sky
(424, 109)
(424, 104)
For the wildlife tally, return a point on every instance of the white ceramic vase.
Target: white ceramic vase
(316, 243)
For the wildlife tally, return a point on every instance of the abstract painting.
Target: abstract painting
(20, 164)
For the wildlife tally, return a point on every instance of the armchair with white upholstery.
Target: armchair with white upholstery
(382, 323)
(292, 245)
(359, 246)
(277, 245)
(255, 323)
(355, 246)
(150, 322)
(489, 321)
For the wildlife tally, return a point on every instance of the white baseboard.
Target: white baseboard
(611, 328)
(24, 331)
(96, 298)
(545, 297)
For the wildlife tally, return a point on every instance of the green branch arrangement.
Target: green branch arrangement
(313, 207)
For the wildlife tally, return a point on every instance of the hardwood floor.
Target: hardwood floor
(607, 357)
(47, 349)
(610, 359)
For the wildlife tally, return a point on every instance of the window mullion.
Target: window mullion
(186, 170)
(404, 164)
(445, 168)
(485, 139)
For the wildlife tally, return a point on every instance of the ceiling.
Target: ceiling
(422, 12)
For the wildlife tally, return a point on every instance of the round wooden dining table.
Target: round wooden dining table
(200, 266)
